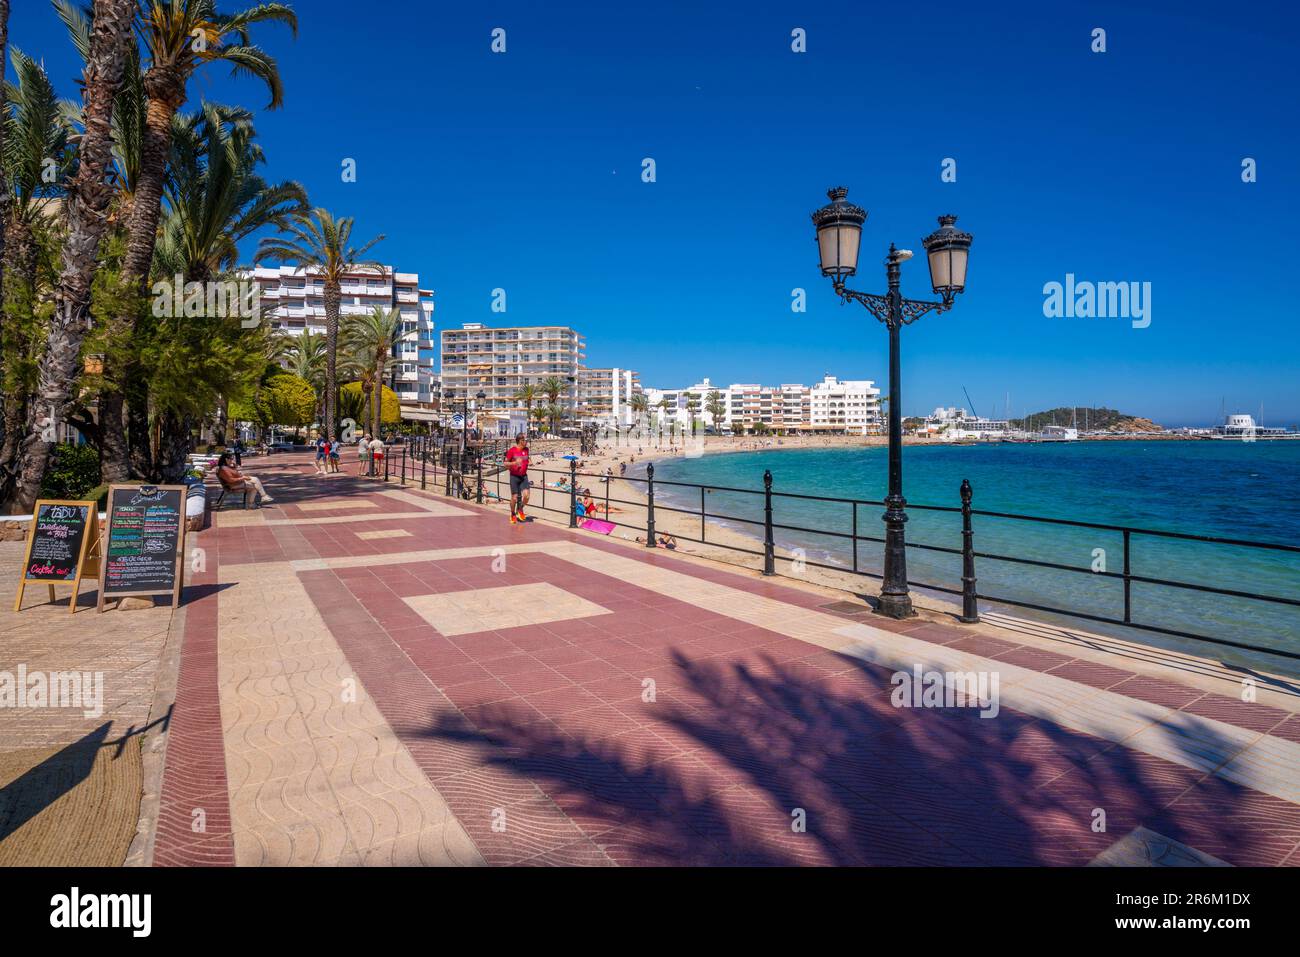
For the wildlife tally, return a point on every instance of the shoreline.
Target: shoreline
(728, 545)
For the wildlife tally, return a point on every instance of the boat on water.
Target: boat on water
(1241, 427)
(1058, 433)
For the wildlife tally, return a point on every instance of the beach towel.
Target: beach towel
(596, 525)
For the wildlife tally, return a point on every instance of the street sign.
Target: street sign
(144, 542)
(62, 547)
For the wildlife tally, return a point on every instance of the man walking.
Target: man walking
(517, 463)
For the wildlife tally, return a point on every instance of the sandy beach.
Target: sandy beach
(720, 543)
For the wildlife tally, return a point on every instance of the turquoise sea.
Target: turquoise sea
(1235, 490)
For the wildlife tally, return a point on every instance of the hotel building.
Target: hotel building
(500, 361)
(293, 301)
(604, 395)
(850, 407)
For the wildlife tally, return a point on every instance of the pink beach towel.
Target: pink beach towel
(596, 525)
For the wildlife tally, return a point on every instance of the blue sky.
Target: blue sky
(522, 171)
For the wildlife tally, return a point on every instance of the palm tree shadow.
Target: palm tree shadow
(747, 760)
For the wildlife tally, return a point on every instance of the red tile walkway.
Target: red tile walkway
(545, 727)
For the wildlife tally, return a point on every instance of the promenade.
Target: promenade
(368, 674)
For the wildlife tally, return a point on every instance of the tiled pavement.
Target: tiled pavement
(372, 675)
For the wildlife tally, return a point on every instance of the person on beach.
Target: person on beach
(332, 456)
(517, 464)
(235, 480)
(322, 448)
(376, 455)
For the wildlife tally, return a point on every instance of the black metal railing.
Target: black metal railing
(462, 473)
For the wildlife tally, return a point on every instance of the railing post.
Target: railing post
(403, 465)
(970, 613)
(424, 461)
(650, 506)
(702, 535)
(479, 495)
(769, 546)
(855, 537)
(573, 493)
(1128, 584)
(446, 464)
(387, 459)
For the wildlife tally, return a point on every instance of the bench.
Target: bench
(248, 490)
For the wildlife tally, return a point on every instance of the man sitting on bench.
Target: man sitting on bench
(233, 480)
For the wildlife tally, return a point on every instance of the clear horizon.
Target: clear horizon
(523, 171)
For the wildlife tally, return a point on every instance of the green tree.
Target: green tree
(215, 200)
(290, 401)
(692, 409)
(369, 339)
(320, 244)
(390, 407)
(34, 160)
(85, 209)
(176, 37)
(716, 408)
(527, 396)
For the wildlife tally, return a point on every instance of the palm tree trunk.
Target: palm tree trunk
(87, 204)
(333, 297)
(18, 260)
(6, 198)
(165, 89)
(377, 411)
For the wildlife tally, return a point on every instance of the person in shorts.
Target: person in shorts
(363, 455)
(517, 464)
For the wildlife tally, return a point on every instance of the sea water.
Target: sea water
(1236, 490)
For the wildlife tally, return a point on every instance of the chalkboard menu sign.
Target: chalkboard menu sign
(144, 542)
(62, 547)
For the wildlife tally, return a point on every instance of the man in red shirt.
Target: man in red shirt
(517, 463)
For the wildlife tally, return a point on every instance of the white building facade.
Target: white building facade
(293, 301)
(851, 407)
(500, 361)
(605, 396)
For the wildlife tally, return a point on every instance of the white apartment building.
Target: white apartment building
(605, 395)
(500, 361)
(683, 403)
(293, 300)
(851, 407)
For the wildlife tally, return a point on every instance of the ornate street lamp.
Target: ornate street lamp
(839, 234)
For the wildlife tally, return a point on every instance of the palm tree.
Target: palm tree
(321, 243)
(526, 396)
(215, 197)
(32, 134)
(176, 36)
(692, 408)
(4, 113)
(306, 357)
(716, 408)
(87, 202)
(553, 414)
(638, 403)
(370, 338)
(216, 200)
(551, 387)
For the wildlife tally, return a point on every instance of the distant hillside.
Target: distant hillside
(1094, 419)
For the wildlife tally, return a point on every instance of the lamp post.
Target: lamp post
(839, 235)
